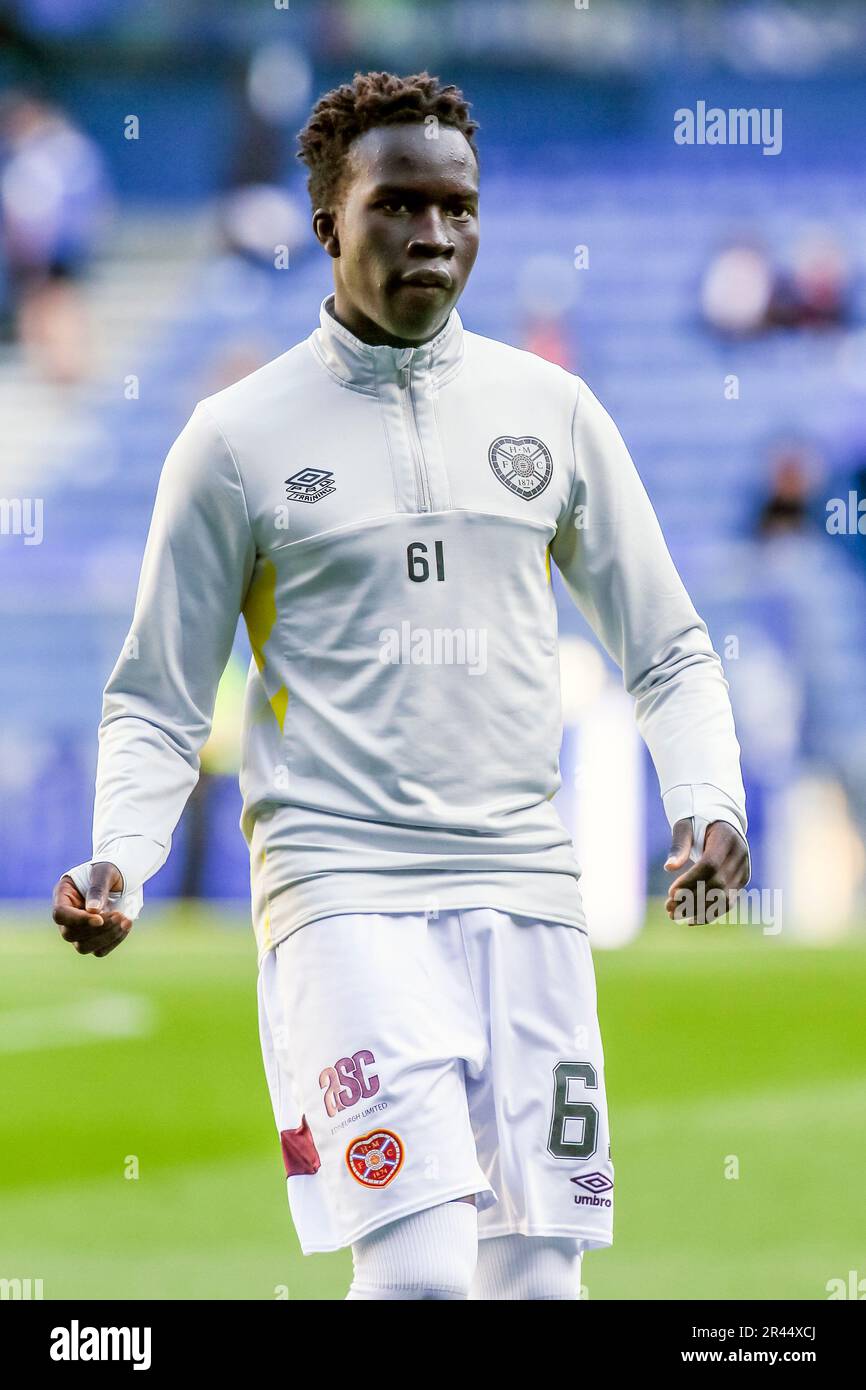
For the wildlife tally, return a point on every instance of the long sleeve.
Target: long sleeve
(158, 704)
(615, 564)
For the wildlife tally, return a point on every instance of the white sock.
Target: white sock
(527, 1267)
(430, 1254)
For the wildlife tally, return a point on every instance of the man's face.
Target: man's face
(404, 235)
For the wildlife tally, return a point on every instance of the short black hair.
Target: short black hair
(372, 99)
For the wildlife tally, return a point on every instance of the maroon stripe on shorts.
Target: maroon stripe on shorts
(300, 1154)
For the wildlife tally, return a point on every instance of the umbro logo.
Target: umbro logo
(594, 1182)
(597, 1185)
(310, 485)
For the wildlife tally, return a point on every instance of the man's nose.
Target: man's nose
(430, 235)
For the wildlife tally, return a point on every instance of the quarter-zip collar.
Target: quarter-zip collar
(365, 367)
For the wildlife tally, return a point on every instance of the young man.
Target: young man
(381, 503)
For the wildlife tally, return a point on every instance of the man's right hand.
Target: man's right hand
(91, 926)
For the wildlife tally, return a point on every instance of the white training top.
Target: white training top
(384, 519)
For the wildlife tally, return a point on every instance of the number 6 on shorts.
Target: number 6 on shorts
(565, 1110)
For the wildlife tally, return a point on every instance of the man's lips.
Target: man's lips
(428, 278)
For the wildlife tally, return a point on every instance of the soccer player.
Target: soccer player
(382, 503)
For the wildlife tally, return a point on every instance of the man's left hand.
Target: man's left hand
(723, 869)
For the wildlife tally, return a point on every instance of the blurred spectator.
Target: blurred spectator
(788, 508)
(815, 294)
(737, 290)
(259, 220)
(744, 294)
(547, 288)
(54, 207)
(797, 562)
(547, 338)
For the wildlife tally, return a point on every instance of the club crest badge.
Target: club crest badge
(310, 485)
(524, 466)
(375, 1159)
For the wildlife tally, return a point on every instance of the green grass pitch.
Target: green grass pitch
(721, 1046)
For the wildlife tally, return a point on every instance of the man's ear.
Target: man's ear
(325, 228)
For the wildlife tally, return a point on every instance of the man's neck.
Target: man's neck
(369, 332)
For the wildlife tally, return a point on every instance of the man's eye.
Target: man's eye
(461, 214)
(393, 205)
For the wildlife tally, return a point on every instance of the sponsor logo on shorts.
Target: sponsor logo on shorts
(376, 1158)
(348, 1081)
(596, 1184)
(354, 1119)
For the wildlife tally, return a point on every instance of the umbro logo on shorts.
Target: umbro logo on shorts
(524, 465)
(310, 485)
(375, 1159)
(596, 1183)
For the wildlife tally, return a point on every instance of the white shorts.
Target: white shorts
(412, 1060)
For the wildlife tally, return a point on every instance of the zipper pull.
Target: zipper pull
(404, 373)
